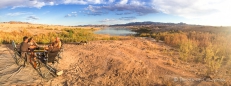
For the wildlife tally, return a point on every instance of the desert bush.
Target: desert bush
(143, 30)
(0, 41)
(114, 38)
(186, 49)
(67, 35)
(209, 47)
(204, 47)
(144, 35)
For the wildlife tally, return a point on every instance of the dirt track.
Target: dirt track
(135, 61)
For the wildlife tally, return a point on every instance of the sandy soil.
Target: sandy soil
(135, 61)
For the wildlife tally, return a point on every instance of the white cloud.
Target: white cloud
(97, 1)
(123, 2)
(189, 8)
(10, 3)
(18, 13)
(40, 3)
(32, 17)
(206, 11)
(26, 3)
(72, 14)
(98, 13)
(95, 10)
(68, 15)
(119, 20)
(192, 8)
(132, 18)
(83, 1)
(75, 2)
(51, 3)
(108, 20)
(92, 8)
(32, 3)
(137, 2)
(46, 12)
(127, 8)
(111, 1)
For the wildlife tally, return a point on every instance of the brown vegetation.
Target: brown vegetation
(44, 34)
(207, 45)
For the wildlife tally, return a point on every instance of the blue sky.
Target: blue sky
(84, 12)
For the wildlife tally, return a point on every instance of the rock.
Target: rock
(59, 72)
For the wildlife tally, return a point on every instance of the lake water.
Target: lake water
(116, 31)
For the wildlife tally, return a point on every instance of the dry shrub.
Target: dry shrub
(7, 37)
(66, 35)
(76, 35)
(175, 39)
(199, 46)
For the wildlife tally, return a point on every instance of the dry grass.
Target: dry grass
(204, 47)
(38, 26)
(46, 33)
(207, 46)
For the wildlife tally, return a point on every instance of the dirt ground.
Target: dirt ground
(133, 62)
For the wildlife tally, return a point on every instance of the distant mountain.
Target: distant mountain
(148, 23)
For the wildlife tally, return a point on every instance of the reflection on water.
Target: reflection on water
(116, 31)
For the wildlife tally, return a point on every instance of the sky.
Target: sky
(109, 12)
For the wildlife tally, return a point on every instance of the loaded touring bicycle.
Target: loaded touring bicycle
(43, 61)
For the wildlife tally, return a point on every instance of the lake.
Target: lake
(115, 31)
